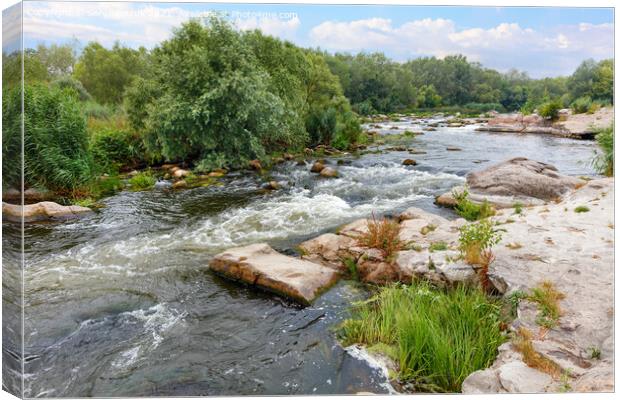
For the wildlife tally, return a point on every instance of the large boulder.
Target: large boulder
(262, 266)
(516, 180)
(43, 211)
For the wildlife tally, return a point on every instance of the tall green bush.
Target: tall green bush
(56, 153)
(581, 105)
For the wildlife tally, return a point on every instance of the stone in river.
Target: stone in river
(262, 266)
(409, 161)
(43, 211)
(317, 167)
(328, 172)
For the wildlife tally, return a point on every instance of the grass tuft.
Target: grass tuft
(581, 209)
(437, 337)
(142, 181)
(438, 246)
(470, 210)
(383, 235)
(548, 299)
(523, 344)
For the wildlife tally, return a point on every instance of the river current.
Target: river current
(122, 303)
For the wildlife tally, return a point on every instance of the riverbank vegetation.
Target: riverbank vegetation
(437, 337)
(214, 97)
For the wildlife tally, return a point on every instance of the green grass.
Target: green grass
(581, 209)
(603, 162)
(437, 337)
(470, 210)
(518, 208)
(352, 268)
(438, 246)
(142, 181)
(548, 299)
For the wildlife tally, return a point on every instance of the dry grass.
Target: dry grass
(548, 299)
(523, 344)
(486, 259)
(383, 235)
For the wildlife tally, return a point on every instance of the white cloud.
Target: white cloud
(131, 23)
(503, 46)
(274, 26)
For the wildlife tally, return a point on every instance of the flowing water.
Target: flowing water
(122, 303)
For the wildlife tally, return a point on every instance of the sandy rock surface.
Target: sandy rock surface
(43, 211)
(262, 266)
(574, 251)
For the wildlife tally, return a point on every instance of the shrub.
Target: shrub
(142, 181)
(321, 126)
(67, 82)
(113, 148)
(604, 163)
(475, 238)
(438, 338)
(469, 210)
(382, 235)
(581, 105)
(95, 110)
(581, 209)
(550, 109)
(56, 153)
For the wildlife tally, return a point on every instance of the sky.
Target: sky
(543, 41)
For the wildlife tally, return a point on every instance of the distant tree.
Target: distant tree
(34, 69)
(58, 59)
(105, 73)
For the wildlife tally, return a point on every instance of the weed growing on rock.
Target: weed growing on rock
(382, 235)
(548, 299)
(581, 209)
(438, 246)
(522, 342)
(470, 210)
(475, 238)
(437, 337)
(595, 353)
(352, 268)
(518, 208)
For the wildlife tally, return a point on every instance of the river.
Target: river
(122, 303)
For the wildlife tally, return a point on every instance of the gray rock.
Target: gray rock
(457, 272)
(480, 382)
(43, 211)
(517, 377)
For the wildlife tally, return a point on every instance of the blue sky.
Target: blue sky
(541, 41)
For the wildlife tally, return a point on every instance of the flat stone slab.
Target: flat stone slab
(262, 266)
(43, 211)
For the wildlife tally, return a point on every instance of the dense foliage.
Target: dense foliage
(213, 96)
(55, 144)
(437, 337)
(220, 97)
(375, 84)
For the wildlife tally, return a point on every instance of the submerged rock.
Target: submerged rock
(409, 161)
(255, 165)
(43, 211)
(271, 185)
(317, 167)
(262, 266)
(328, 172)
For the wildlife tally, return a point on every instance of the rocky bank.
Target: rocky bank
(547, 241)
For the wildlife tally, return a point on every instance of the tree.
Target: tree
(57, 59)
(212, 104)
(106, 73)
(34, 69)
(603, 81)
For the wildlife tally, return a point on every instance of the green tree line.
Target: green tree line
(212, 96)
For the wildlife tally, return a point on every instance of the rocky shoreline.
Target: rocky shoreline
(547, 240)
(575, 126)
